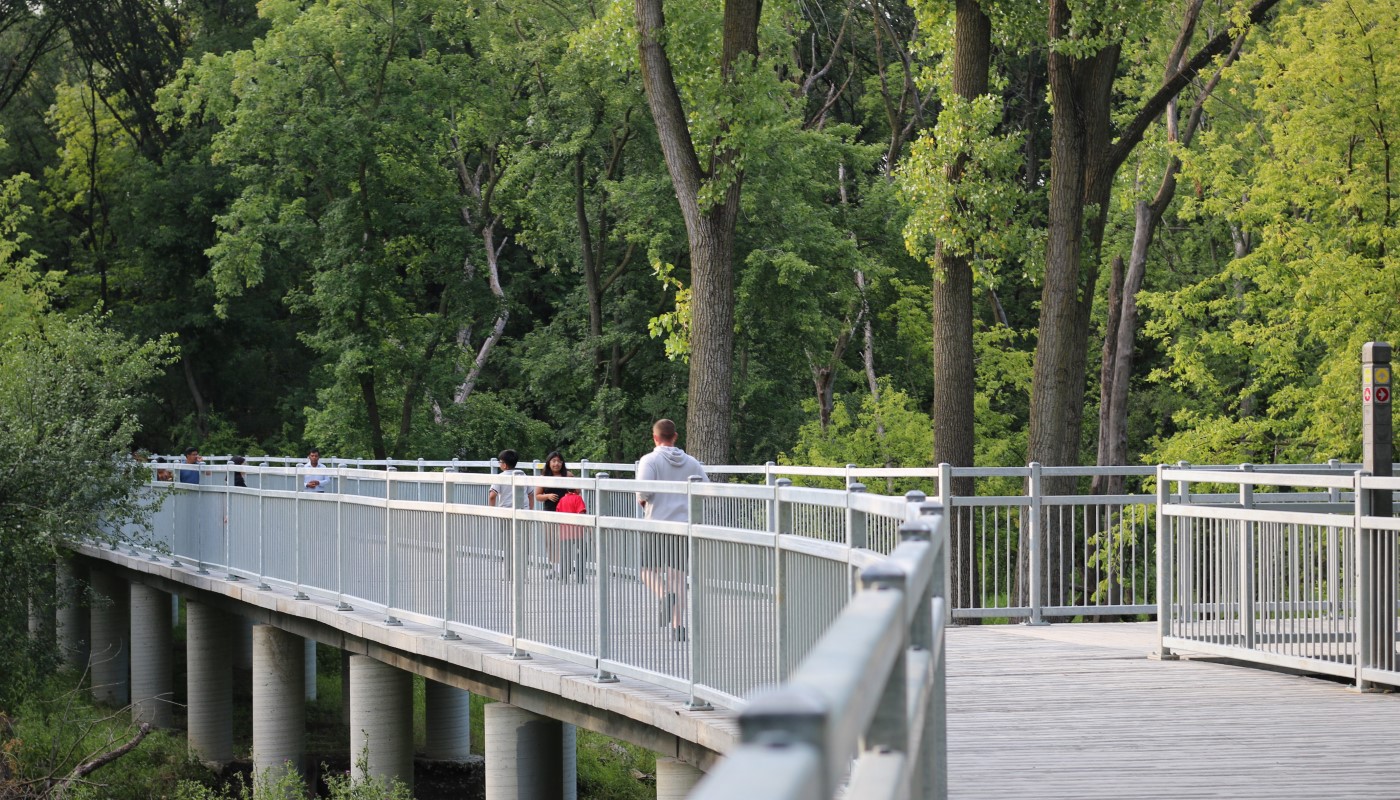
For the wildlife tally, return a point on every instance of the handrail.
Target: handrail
(758, 568)
(869, 698)
(1306, 585)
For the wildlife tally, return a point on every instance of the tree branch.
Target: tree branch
(1133, 132)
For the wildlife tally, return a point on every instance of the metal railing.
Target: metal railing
(1284, 570)
(730, 600)
(864, 714)
(1017, 551)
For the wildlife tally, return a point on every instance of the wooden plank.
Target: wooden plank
(1079, 711)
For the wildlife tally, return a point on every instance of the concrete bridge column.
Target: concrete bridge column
(151, 690)
(447, 713)
(73, 620)
(381, 719)
(208, 632)
(525, 755)
(109, 669)
(279, 700)
(675, 778)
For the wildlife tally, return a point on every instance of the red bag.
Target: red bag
(571, 503)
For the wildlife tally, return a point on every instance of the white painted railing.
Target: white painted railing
(755, 577)
(1308, 584)
(865, 714)
(1016, 551)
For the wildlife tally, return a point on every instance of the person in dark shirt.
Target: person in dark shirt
(191, 457)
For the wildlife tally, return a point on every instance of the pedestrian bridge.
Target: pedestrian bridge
(551, 615)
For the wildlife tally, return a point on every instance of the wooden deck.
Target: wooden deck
(1079, 711)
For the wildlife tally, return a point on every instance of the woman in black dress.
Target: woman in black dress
(549, 500)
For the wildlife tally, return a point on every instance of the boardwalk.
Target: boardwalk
(1078, 711)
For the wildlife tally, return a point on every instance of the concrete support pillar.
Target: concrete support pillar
(675, 778)
(111, 625)
(73, 620)
(279, 699)
(568, 761)
(381, 719)
(152, 696)
(310, 670)
(447, 720)
(524, 755)
(210, 683)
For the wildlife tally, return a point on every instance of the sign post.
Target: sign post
(1376, 549)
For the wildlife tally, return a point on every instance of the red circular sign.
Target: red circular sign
(1382, 394)
(1366, 395)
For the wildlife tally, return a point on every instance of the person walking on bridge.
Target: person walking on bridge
(665, 562)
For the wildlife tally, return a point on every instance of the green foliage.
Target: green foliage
(852, 437)
(1270, 345)
(56, 730)
(612, 770)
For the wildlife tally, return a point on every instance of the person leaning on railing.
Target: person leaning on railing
(318, 480)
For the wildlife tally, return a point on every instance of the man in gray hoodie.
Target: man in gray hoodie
(664, 556)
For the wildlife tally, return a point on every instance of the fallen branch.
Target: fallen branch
(83, 770)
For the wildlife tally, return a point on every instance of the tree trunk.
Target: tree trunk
(1083, 160)
(954, 378)
(376, 425)
(201, 411)
(711, 340)
(710, 230)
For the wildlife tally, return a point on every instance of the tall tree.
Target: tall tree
(709, 198)
(1120, 333)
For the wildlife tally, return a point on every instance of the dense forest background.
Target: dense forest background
(830, 231)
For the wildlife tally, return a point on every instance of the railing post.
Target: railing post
(1165, 524)
(340, 604)
(296, 558)
(784, 525)
(262, 532)
(389, 618)
(1184, 557)
(849, 479)
(583, 469)
(1037, 555)
(951, 522)
(1247, 554)
(695, 576)
(517, 573)
(603, 587)
(856, 520)
(1360, 579)
(771, 505)
(228, 506)
(447, 562)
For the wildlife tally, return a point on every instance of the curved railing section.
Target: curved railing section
(865, 713)
(1021, 545)
(732, 599)
(1291, 571)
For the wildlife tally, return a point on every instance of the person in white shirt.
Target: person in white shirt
(317, 480)
(502, 495)
(664, 557)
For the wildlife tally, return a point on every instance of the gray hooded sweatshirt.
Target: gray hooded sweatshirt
(667, 464)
